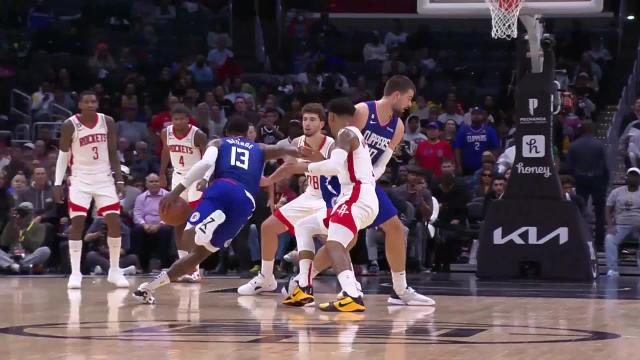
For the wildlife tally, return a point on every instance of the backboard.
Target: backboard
(479, 8)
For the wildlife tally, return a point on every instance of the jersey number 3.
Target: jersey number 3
(96, 154)
(240, 158)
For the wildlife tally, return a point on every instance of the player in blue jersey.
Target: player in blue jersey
(237, 164)
(383, 130)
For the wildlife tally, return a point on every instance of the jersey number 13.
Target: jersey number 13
(240, 157)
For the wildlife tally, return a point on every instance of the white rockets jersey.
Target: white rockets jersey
(183, 150)
(314, 181)
(358, 167)
(90, 148)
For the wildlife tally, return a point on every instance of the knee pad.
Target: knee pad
(204, 230)
(340, 233)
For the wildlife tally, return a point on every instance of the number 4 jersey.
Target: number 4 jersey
(184, 153)
(242, 161)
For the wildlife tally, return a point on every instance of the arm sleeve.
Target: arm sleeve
(197, 171)
(331, 166)
(381, 164)
(61, 167)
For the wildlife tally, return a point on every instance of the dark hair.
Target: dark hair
(567, 179)
(86, 93)
(272, 111)
(341, 106)
(180, 109)
(499, 177)
(398, 83)
(447, 160)
(314, 108)
(237, 125)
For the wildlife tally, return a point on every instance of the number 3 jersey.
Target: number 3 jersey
(90, 148)
(182, 149)
(240, 160)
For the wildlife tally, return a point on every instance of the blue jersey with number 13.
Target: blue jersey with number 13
(242, 161)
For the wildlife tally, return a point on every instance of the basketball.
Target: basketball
(177, 214)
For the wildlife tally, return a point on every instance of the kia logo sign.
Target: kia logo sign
(530, 234)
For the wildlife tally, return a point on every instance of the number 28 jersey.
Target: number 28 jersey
(90, 148)
(240, 160)
(315, 183)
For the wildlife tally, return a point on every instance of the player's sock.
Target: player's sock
(75, 253)
(266, 268)
(114, 252)
(305, 272)
(347, 281)
(399, 281)
(158, 281)
(182, 253)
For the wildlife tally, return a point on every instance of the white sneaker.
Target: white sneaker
(257, 285)
(144, 295)
(131, 270)
(190, 278)
(291, 257)
(613, 273)
(97, 270)
(117, 278)
(343, 294)
(410, 297)
(75, 281)
(293, 282)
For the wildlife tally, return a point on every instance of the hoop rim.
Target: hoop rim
(478, 8)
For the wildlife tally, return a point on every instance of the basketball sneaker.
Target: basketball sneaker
(291, 257)
(257, 285)
(190, 278)
(346, 304)
(144, 295)
(75, 281)
(301, 296)
(117, 278)
(410, 297)
(288, 288)
(343, 294)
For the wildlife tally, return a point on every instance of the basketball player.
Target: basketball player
(88, 145)
(227, 203)
(309, 203)
(382, 137)
(355, 209)
(183, 145)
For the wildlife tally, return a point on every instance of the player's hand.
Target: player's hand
(309, 154)
(57, 194)
(120, 189)
(163, 181)
(265, 181)
(201, 185)
(168, 201)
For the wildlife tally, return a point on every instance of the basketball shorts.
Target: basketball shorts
(102, 189)
(386, 210)
(190, 195)
(298, 209)
(354, 211)
(236, 203)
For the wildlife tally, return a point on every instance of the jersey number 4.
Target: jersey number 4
(240, 158)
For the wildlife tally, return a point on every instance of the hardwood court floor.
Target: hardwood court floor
(41, 319)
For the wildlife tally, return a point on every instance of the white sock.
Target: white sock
(114, 252)
(182, 253)
(160, 280)
(75, 253)
(305, 272)
(348, 283)
(266, 268)
(399, 281)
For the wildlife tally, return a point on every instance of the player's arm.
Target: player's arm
(165, 156)
(64, 154)
(346, 142)
(360, 116)
(381, 165)
(273, 152)
(112, 143)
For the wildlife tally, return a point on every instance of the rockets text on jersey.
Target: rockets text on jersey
(90, 147)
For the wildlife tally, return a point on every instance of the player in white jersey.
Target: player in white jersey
(88, 145)
(355, 209)
(182, 145)
(310, 202)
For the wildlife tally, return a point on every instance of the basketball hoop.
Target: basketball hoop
(504, 18)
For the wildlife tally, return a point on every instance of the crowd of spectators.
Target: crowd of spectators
(137, 83)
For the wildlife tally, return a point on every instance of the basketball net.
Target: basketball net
(504, 18)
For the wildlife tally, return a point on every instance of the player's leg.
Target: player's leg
(185, 243)
(78, 202)
(108, 205)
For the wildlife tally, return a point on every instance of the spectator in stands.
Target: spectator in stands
(131, 129)
(623, 217)
(64, 101)
(430, 153)
(498, 186)
(323, 29)
(299, 27)
(374, 53)
(218, 56)
(412, 132)
(40, 153)
(201, 72)
(129, 98)
(587, 161)
(484, 184)
(451, 113)
(39, 194)
(18, 184)
(394, 65)
(472, 141)
(631, 117)
(124, 151)
(131, 192)
(421, 111)
(40, 101)
(149, 233)
(98, 256)
(216, 32)
(396, 37)
(24, 237)
(6, 202)
(450, 131)
(143, 163)
(101, 63)
(569, 187)
(488, 164)
(361, 92)
(269, 133)
(295, 111)
(241, 108)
